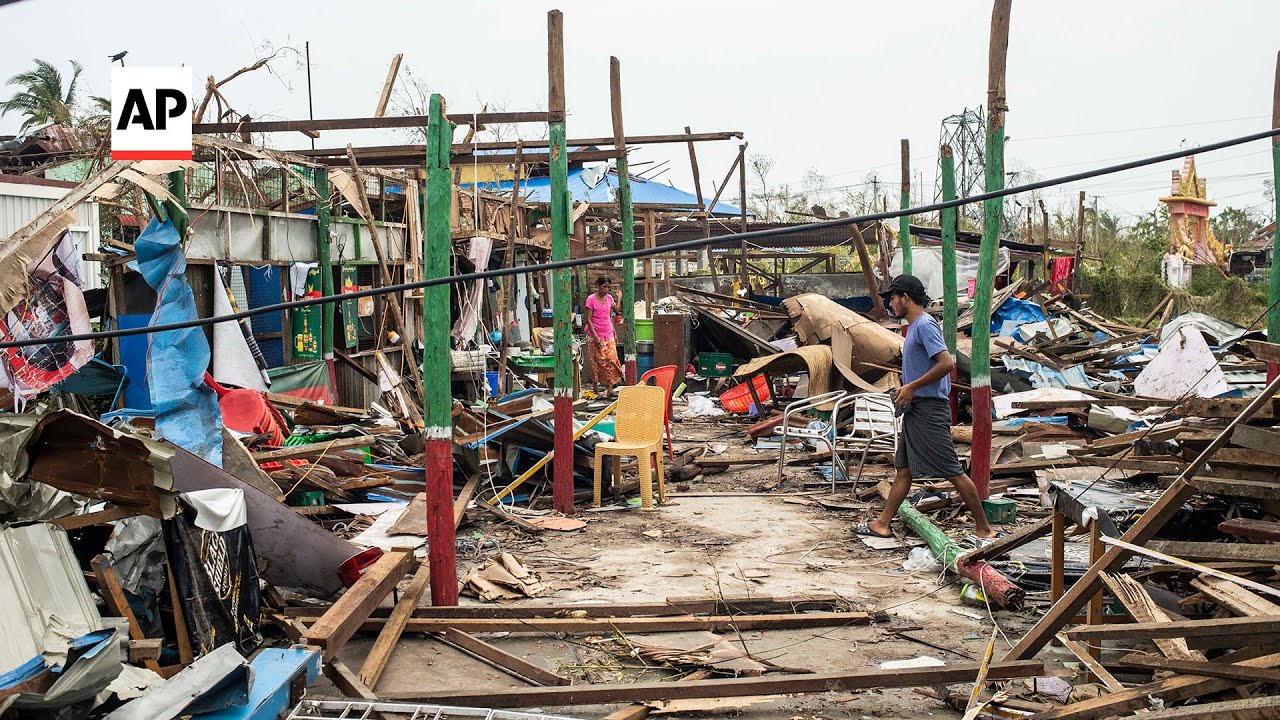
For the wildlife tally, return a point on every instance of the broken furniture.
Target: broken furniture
(638, 430)
(821, 434)
(874, 429)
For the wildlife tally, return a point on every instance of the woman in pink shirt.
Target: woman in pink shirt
(602, 345)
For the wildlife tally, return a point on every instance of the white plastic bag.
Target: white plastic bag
(701, 406)
(921, 559)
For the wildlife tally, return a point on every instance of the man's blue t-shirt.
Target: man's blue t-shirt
(924, 340)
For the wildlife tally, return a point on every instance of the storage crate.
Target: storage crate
(716, 365)
(1000, 511)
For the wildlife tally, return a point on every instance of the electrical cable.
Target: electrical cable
(692, 244)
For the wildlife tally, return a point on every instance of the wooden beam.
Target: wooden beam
(1202, 668)
(1261, 625)
(1234, 598)
(1010, 542)
(380, 654)
(1256, 489)
(502, 659)
(1143, 609)
(467, 148)
(390, 82)
(672, 606)
(332, 630)
(1213, 551)
(1082, 654)
(113, 596)
(1257, 708)
(75, 522)
(728, 687)
(313, 449)
(367, 123)
(1253, 529)
(606, 626)
(1256, 438)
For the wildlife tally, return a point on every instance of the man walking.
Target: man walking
(924, 445)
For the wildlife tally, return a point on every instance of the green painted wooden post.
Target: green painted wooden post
(904, 222)
(1273, 315)
(437, 398)
(627, 214)
(950, 292)
(992, 214)
(321, 181)
(562, 293)
(178, 216)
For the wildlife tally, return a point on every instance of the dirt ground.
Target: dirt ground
(776, 543)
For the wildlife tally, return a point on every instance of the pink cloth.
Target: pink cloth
(601, 315)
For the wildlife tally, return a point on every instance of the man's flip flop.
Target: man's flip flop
(865, 529)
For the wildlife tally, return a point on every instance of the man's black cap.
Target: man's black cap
(908, 285)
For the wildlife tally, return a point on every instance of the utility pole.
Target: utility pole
(1273, 315)
(562, 295)
(437, 398)
(950, 299)
(992, 211)
(628, 225)
(1044, 221)
(904, 222)
(1075, 265)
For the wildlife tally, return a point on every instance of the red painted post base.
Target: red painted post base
(954, 399)
(441, 555)
(1273, 371)
(629, 372)
(980, 450)
(562, 470)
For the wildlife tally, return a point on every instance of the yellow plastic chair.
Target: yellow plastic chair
(638, 429)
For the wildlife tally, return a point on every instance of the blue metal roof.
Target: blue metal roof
(538, 190)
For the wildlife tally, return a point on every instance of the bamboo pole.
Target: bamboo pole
(706, 211)
(996, 586)
(904, 222)
(506, 297)
(742, 199)
(562, 296)
(993, 211)
(950, 291)
(628, 218)
(437, 399)
(1273, 295)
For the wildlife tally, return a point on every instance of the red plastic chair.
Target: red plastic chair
(663, 377)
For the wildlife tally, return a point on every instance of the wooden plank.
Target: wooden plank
(113, 596)
(1173, 689)
(392, 121)
(727, 687)
(1235, 598)
(606, 626)
(1256, 438)
(413, 520)
(1082, 654)
(1138, 602)
(1211, 551)
(1263, 624)
(640, 711)
(147, 649)
(345, 616)
(1088, 403)
(502, 659)
(313, 449)
(1247, 457)
(1265, 530)
(75, 522)
(380, 654)
(1009, 542)
(1256, 489)
(1136, 464)
(1137, 661)
(1228, 408)
(180, 627)
(1258, 708)
(390, 82)
(678, 605)
(1204, 569)
(1264, 351)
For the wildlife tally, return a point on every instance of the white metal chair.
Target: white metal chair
(873, 428)
(799, 406)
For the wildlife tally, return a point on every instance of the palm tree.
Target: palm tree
(41, 97)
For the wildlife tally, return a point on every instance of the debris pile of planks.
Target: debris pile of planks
(678, 633)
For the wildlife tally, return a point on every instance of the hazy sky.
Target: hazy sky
(826, 85)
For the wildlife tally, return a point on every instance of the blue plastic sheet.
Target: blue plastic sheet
(186, 409)
(1016, 312)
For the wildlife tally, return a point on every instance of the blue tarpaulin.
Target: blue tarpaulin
(1016, 312)
(186, 409)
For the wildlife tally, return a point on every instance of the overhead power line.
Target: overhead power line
(693, 244)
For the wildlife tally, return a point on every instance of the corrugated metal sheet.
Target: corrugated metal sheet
(20, 203)
(44, 601)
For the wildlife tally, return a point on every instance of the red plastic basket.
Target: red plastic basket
(738, 398)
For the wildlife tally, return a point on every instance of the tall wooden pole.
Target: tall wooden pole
(1044, 227)
(628, 217)
(323, 255)
(992, 212)
(562, 295)
(904, 222)
(1273, 315)
(950, 297)
(706, 211)
(437, 398)
(1075, 265)
(742, 200)
(507, 296)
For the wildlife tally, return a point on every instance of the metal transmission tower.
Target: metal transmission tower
(966, 134)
